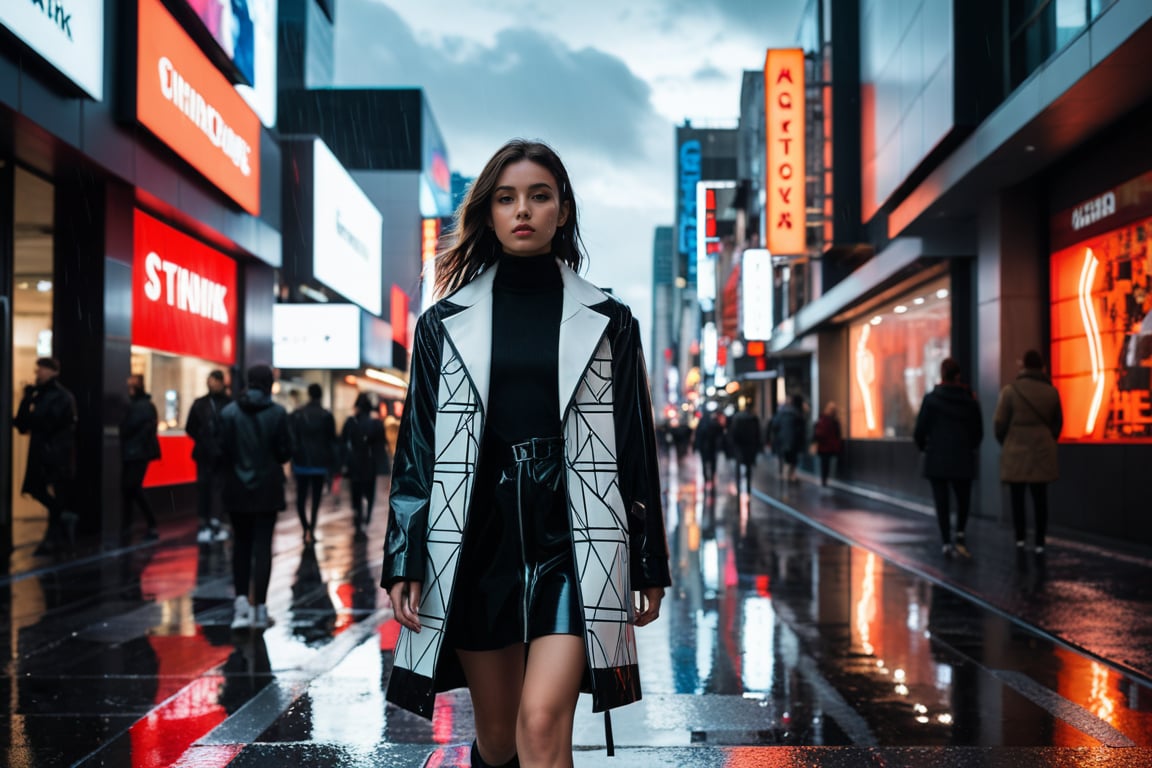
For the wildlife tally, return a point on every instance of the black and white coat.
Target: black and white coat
(614, 502)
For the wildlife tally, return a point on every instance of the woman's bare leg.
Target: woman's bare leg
(548, 701)
(494, 680)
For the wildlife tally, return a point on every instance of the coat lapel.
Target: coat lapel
(580, 330)
(470, 331)
(581, 327)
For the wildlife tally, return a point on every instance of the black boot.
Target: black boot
(478, 762)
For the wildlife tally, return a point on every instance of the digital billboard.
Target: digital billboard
(347, 233)
(245, 30)
(72, 41)
(190, 106)
(316, 336)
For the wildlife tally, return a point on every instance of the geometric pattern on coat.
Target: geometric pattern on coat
(457, 441)
(598, 518)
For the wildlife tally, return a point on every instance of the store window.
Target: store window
(32, 294)
(1101, 356)
(894, 359)
(1037, 29)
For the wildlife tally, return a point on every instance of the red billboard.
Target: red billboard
(183, 294)
(190, 106)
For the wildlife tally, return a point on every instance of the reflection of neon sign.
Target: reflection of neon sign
(866, 376)
(866, 605)
(1092, 334)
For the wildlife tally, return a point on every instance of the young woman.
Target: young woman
(525, 503)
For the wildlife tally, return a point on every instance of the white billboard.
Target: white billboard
(347, 233)
(756, 292)
(69, 37)
(316, 336)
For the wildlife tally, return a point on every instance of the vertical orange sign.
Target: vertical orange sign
(785, 222)
(183, 99)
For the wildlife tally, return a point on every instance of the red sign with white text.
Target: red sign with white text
(786, 222)
(183, 99)
(183, 294)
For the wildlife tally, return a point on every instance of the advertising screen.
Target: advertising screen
(190, 106)
(1101, 357)
(756, 292)
(246, 31)
(321, 336)
(71, 41)
(347, 232)
(183, 294)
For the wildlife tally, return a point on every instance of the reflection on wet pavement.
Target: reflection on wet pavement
(779, 645)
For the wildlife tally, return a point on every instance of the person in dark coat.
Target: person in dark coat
(746, 441)
(948, 431)
(709, 435)
(313, 441)
(366, 447)
(47, 414)
(789, 435)
(139, 447)
(1028, 421)
(256, 441)
(204, 428)
(828, 439)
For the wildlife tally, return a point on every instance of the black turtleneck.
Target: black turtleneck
(527, 299)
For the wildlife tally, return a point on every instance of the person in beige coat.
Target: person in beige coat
(1027, 423)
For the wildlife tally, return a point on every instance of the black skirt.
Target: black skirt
(516, 580)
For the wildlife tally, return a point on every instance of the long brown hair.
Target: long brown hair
(475, 246)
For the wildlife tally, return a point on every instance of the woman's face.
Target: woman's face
(526, 209)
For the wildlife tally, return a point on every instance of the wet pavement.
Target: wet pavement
(806, 627)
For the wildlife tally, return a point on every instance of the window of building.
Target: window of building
(1039, 28)
(894, 355)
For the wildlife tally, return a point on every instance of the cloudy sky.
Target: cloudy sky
(604, 82)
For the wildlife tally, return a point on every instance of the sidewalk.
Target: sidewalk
(1081, 595)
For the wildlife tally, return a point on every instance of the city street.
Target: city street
(781, 644)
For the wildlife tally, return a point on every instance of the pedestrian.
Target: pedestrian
(366, 448)
(1028, 421)
(139, 447)
(746, 440)
(47, 414)
(525, 485)
(709, 435)
(204, 428)
(828, 440)
(789, 435)
(255, 441)
(314, 455)
(949, 429)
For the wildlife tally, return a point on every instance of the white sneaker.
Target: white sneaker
(242, 613)
(220, 534)
(260, 617)
(204, 535)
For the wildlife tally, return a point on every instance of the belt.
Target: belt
(538, 448)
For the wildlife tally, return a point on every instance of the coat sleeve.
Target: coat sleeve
(412, 468)
(1003, 416)
(636, 459)
(920, 433)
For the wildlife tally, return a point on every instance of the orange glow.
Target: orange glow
(786, 171)
(866, 377)
(754, 349)
(190, 106)
(865, 624)
(1101, 353)
(429, 240)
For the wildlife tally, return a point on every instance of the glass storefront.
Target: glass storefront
(32, 293)
(894, 355)
(1102, 335)
(174, 381)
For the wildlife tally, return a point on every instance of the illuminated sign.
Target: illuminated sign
(756, 292)
(68, 35)
(347, 233)
(429, 239)
(183, 294)
(690, 157)
(190, 106)
(246, 33)
(322, 336)
(785, 221)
